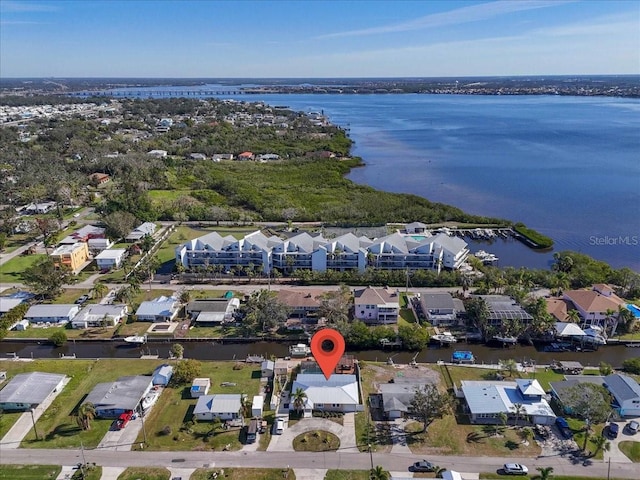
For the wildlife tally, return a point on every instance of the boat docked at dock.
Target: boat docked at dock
(444, 338)
(486, 257)
(508, 340)
(462, 356)
(299, 350)
(136, 339)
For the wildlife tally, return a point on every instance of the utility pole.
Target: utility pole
(144, 430)
(33, 420)
(84, 460)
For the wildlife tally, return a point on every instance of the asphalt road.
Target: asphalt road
(329, 460)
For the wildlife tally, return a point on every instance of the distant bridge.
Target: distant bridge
(162, 93)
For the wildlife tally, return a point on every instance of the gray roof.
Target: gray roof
(125, 393)
(438, 301)
(622, 387)
(398, 395)
(7, 303)
(31, 388)
(209, 305)
(48, 310)
(451, 244)
(220, 403)
(164, 370)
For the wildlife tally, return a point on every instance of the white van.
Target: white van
(278, 427)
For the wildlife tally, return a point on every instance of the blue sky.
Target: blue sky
(315, 38)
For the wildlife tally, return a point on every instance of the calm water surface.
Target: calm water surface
(566, 166)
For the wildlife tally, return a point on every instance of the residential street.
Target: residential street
(334, 460)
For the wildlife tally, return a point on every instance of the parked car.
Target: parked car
(82, 299)
(423, 466)
(278, 427)
(514, 469)
(613, 430)
(633, 427)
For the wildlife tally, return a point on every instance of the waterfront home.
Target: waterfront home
(212, 310)
(441, 309)
(161, 309)
(376, 306)
(162, 375)
(28, 390)
(266, 368)
(303, 304)
(558, 308)
(593, 305)
(112, 258)
(200, 387)
(98, 315)
(47, 313)
(626, 392)
(141, 231)
(222, 406)
(503, 308)
(111, 399)
(486, 400)
(338, 394)
(70, 256)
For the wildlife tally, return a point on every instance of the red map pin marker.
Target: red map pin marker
(327, 347)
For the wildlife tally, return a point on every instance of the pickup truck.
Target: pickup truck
(563, 426)
(123, 420)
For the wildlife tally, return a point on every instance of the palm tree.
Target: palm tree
(99, 290)
(503, 420)
(299, 398)
(378, 473)
(573, 316)
(86, 413)
(545, 472)
(519, 408)
(601, 443)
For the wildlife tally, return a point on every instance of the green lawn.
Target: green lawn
(317, 441)
(57, 427)
(146, 473)
(169, 426)
(631, 450)
(12, 270)
(7, 419)
(29, 472)
(244, 474)
(38, 332)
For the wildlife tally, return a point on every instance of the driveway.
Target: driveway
(614, 453)
(122, 440)
(346, 433)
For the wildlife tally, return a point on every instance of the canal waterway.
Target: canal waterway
(612, 354)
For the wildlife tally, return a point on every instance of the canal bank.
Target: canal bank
(214, 350)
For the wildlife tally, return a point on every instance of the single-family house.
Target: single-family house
(157, 153)
(558, 308)
(244, 156)
(200, 387)
(97, 245)
(212, 310)
(38, 208)
(281, 367)
(161, 309)
(223, 406)
(486, 400)
(266, 368)
(594, 306)
(7, 303)
(338, 394)
(503, 308)
(71, 256)
(141, 231)
(84, 234)
(376, 305)
(441, 309)
(415, 228)
(162, 375)
(98, 179)
(111, 399)
(561, 390)
(626, 392)
(303, 304)
(397, 396)
(46, 313)
(99, 315)
(111, 258)
(217, 157)
(28, 390)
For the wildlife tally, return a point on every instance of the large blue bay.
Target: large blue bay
(566, 166)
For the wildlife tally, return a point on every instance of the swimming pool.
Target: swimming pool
(634, 309)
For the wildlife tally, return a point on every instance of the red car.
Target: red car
(123, 419)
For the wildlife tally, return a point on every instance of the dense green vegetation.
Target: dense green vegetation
(539, 240)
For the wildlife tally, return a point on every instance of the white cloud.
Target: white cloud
(468, 14)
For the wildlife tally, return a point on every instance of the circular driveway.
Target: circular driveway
(346, 433)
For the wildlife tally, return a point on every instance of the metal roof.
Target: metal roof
(125, 393)
(51, 311)
(31, 388)
(220, 403)
(339, 389)
(622, 387)
(496, 397)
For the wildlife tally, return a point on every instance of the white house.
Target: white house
(99, 244)
(111, 258)
(147, 228)
(51, 313)
(161, 309)
(98, 315)
(376, 305)
(486, 400)
(626, 392)
(200, 387)
(338, 394)
(256, 406)
(266, 368)
(222, 406)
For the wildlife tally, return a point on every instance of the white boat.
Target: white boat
(136, 339)
(506, 339)
(444, 337)
(299, 350)
(593, 335)
(150, 399)
(485, 257)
